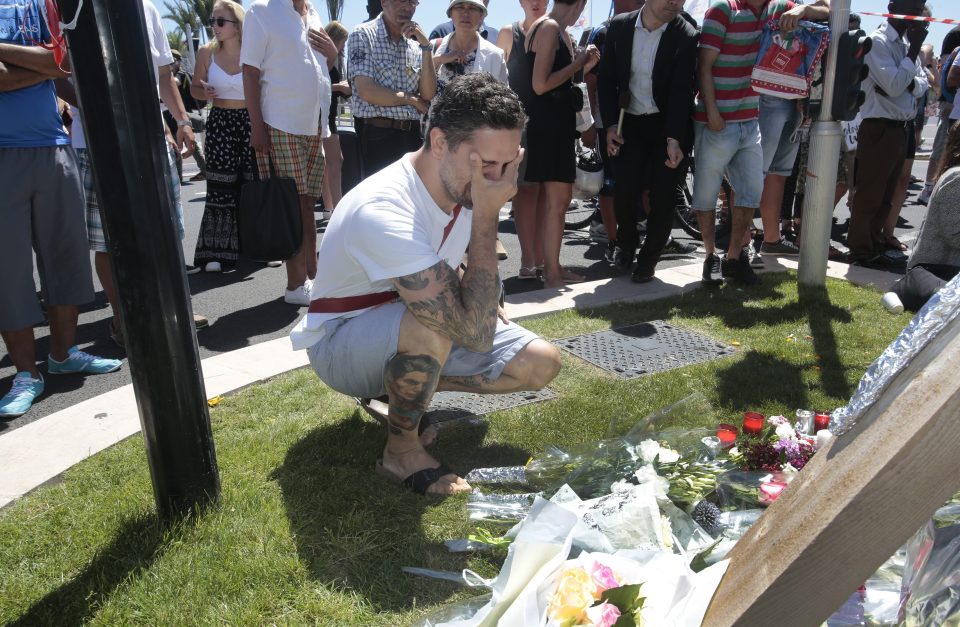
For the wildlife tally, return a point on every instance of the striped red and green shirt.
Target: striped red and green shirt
(733, 28)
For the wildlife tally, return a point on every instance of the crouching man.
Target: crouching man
(392, 313)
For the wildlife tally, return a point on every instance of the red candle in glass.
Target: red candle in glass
(821, 421)
(727, 434)
(753, 422)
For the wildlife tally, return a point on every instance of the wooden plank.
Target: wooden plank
(857, 501)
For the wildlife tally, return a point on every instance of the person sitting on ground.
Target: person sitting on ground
(936, 255)
(394, 314)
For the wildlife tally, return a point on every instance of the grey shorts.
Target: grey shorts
(354, 352)
(42, 211)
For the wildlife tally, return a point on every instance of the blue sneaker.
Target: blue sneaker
(18, 400)
(79, 361)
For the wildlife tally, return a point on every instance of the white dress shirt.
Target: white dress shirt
(644, 53)
(294, 78)
(892, 71)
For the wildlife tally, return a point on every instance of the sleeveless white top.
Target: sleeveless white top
(228, 86)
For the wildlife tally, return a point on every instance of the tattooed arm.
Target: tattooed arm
(465, 309)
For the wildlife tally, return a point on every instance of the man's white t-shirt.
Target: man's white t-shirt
(294, 78)
(386, 227)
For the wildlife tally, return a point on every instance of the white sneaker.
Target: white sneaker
(274, 264)
(213, 266)
(299, 296)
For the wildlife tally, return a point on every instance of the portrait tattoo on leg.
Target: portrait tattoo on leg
(410, 381)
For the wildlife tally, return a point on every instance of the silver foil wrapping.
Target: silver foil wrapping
(929, 321)
(498, 476)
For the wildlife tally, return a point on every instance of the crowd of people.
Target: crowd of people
(445, 123)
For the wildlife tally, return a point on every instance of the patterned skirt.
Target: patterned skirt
(230, 164)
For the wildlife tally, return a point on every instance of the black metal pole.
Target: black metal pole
(115, 82)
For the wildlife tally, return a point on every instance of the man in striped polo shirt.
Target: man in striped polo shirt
(727, 130)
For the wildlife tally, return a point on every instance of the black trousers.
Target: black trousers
(379, 147)
(641, 165)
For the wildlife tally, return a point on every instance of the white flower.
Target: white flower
(789, 468)
(668, 456)
(786, 432)
(734, 451)
(777, 420)
(649, 449)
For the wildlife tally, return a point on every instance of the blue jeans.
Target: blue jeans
(778, 121)
(735, 151)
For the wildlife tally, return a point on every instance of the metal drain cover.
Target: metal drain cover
(450, 406)
(645, 348)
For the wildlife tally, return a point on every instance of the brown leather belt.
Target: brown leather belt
(400, 125)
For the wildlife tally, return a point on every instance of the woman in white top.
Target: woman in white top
(230, 161)
(464, 51)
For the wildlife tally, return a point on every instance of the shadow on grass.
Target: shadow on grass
(355, 530)
(759, 377)
(137, 544)
(821, 313)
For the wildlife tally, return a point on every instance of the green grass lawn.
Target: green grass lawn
(306, 534)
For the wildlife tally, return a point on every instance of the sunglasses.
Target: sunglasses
(220, 21)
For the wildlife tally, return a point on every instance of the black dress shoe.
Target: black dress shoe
(641, 275)
(624, 259)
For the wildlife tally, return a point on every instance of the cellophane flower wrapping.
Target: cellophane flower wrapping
(674, 596)
(930, 593)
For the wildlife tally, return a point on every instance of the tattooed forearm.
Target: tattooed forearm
(473, 382)
(410, 381)
(464, 309)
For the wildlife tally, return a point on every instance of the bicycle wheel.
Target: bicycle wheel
(684, 216)
(579, 213)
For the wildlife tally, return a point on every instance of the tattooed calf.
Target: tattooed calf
(410, 381)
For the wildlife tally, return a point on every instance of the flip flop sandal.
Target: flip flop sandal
(419, 482)
(894, 244)
(367, 404)
(528, 274)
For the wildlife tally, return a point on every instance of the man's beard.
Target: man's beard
(462, 197)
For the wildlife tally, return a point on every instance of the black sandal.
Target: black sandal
(419, 482)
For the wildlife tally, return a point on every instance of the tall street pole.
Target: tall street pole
(115, 82)
(824, 156)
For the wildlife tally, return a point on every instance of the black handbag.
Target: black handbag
(269, 223)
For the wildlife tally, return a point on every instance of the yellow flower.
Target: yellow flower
(573, 596)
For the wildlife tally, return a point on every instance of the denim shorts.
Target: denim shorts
(353, 352)
(734, 151)
(778, 122)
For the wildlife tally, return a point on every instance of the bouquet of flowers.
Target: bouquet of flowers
(776, 445)
(592, 593)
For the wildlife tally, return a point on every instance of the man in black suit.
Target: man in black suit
(648, 70)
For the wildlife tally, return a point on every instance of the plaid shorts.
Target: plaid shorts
(95, 235)
(299, 157)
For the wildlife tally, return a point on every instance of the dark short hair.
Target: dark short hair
(950, 41)
(473, 102)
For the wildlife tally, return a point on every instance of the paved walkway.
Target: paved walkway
(40, 451)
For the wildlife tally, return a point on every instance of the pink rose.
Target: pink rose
(603, 578)
(770, 491)
(603, 615)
